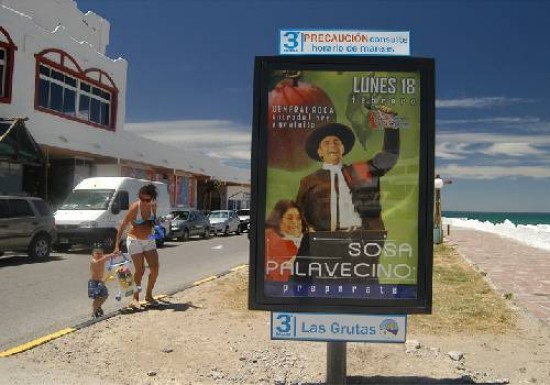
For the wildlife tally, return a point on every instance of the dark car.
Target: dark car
(187, 222)
(26, 224)
(244, 217)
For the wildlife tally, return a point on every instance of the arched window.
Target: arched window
(64, 89)
(7, 51)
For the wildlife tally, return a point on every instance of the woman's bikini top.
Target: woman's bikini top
(139, 221)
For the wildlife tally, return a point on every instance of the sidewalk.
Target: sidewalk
(514, 269)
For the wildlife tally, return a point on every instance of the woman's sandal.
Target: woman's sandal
(134, 305)
(151, 302)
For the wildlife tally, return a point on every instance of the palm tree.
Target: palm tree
(213, 185)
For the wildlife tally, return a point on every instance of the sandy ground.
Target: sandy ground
(205, 335)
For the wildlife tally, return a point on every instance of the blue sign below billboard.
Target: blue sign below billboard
(338, 327)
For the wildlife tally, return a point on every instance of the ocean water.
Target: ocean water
(532, 229)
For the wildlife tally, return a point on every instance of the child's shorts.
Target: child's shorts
(97, 289)
(138, 246)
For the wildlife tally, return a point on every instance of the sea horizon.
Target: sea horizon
(496, 217)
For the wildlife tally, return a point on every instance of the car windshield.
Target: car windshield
(88, 200)
(219, 214)
(244, 212)
(184, 215)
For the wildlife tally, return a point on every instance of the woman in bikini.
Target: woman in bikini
(141, 241)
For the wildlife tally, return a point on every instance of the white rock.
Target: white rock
(456, 356)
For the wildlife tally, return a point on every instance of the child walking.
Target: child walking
(96, 285)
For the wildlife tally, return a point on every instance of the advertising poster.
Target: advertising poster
(342, 186)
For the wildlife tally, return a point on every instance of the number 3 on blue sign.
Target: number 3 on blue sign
(292, 40)
(285, 324)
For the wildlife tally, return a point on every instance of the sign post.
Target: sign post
(342, 194)
(336, 363)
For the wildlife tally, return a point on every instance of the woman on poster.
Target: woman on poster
(285, 227)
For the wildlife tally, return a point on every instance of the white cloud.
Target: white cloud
(462, 145)
(496, 120)
(512, 149)
(493, 172)
(222, 139)
(485, 102)
(505, 152)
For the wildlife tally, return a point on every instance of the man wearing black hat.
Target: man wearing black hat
(341, 197)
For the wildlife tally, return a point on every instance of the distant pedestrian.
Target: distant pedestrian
(96, 284)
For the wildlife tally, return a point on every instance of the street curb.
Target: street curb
(50, 337)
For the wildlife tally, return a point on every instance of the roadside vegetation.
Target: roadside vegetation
(463, 301)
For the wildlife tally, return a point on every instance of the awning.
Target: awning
(17, 144)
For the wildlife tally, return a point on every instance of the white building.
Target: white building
(54, 71)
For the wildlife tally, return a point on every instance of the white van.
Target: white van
(96, 207)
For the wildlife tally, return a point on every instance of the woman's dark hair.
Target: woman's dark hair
(276, 215)
(149, 189)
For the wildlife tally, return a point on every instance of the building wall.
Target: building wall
(58, 26)
(106, 169)
(237, 197)
(48, 14)
(30, 39)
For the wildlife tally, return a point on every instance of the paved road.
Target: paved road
(38, 298)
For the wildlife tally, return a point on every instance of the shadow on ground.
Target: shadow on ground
(406, 380)
(18, 260)
(161, 306)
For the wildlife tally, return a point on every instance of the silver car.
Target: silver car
(187, 222)
(224, 221)
(26, 224)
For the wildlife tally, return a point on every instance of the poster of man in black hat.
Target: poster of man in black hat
(344, 197)
(342, 216)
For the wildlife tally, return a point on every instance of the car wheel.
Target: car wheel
(206, 234)
(62, 247)
(185, 236)
(40, 247)
(108, 242)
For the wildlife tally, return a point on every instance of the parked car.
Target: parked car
(244, 217)
(225, 221)
(26, 224)
(188, 222)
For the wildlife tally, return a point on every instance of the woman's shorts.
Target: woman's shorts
(97, 289)
(137, 246)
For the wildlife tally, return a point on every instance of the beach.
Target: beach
(206, 335)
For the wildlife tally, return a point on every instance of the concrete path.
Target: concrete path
(513, 268)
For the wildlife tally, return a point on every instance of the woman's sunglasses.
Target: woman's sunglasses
(147, 200)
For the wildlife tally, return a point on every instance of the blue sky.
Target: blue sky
(191, 68)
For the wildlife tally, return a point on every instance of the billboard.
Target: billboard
(342, 184)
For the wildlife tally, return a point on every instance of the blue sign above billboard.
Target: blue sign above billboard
(334, 42)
